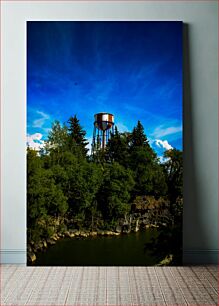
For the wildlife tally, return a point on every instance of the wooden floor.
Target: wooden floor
(21, 285)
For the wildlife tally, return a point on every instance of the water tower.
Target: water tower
(103, 127)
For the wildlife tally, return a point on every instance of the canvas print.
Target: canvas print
(104, 143)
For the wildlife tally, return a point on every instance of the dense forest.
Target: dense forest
(124, 188)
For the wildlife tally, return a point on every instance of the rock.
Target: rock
(39, 246)
(50, 241)
(55, 237)
(61, 235)
(67, 234)
(118, 229)
(137, 226)
(31, 257)
(72, 233)
(93, 234)
(83, 234)
(126, 229)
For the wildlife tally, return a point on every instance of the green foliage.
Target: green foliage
(76, 140)
(118, 148)
(84, 179)
(173, 168)
(114, 194)
(67, 189)
(149, 175)
(57, 137)
(44, 197)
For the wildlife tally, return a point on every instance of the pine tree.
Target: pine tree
(138, 137)
(140, 148)
(117, 148)
(77, 136)
(149, 177)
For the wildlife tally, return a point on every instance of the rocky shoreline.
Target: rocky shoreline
(33, 247)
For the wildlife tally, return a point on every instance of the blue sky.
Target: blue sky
(130, 69)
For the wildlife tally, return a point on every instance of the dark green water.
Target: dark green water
(123, 250)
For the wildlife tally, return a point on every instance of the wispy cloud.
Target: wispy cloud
(135, 74)
(121, 127)
(162, 131)
(38, 123)
(138, 110)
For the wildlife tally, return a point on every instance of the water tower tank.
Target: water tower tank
(103, 127)
(104, 121)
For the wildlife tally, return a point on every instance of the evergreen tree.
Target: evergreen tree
(118, 148)
(138, 137)
(77, 138)
(149, 176)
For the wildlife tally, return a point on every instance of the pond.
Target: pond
(123, 250)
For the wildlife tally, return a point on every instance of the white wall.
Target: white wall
(200, 111)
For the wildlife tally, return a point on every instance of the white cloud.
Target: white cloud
(163, 144)
(38, 123)
(35, 141)
(160, 131)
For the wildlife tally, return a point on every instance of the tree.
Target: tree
(76, 136)
(114, 195)
(58, 135)
(118, 148)
(173, 168)
(56, 143)
(44, 197)
(149, 176)
(138, 137)
(168, 243)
